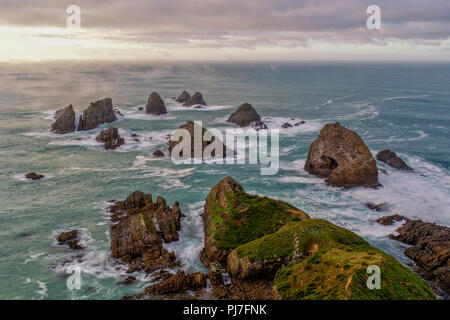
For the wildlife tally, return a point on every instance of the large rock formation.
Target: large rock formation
(196, 99)
(140, 229)
(245, 116)
(390, 157)
(233, 217)
(96, 114)
(190, 127)
(183, 97)
(111, 138)
(71, 239)
(430, 249)
(155, 105)
(64, 121)
(341, 156)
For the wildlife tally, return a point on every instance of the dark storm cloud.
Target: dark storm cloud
(241, 23)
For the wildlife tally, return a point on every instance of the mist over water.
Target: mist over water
(403, 107)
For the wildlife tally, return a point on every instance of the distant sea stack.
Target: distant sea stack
(390, 158)
(155, 105)
(183, 97)
(341, 156)
(64, 121)
(97, 113)
(196, 99)
(246, 115)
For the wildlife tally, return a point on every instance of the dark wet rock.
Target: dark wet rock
(245, 116)
(34, 176)
(158, 153)
(341, 156)
(71, 239)
(228, 197)
(127, 281)
(286, 125)
(111, 138)
(64, 121)
(390, 157)
(389, 220)
(161, 275)
(215, 274)
(376, 206)
(97, 113)
(430, 249)
(300, 123)
(383, 171)
(190, 127)
(183, 97)
(155, 104)
(179, 282)
(119, 112)
(141, 228)
(196, 99)
(141, 108)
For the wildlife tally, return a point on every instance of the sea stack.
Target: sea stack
(97, 113)
(111, 138)
(245, 115)
(64, 121)
(196, 99)
(155, 105)
(341, 156)
(183, 97)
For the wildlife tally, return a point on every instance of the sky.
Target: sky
(224, 30)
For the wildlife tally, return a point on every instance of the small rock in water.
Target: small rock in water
(111, 138)
(34, 176)
(390, 157)
(155, 104)
(286, 125)
(158, 153)
(183, 97)
(389, 220)
(141, 108)
(376, 207)
(70, 238)
(196, 99)
(300, 123)
(127, 281)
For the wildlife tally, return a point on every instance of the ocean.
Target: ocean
(404, 107)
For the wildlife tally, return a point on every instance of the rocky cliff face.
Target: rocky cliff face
(111, 138)
(139, 230)
(196, 99)
(430, 249)
(155, 105)
(64, 121)
(245, 116)
(341, 156)
(96, 114)
(232, 217)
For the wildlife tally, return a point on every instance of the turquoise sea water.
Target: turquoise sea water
(401, 106)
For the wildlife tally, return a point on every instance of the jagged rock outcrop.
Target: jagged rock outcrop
(389, 220)
(390, 157)
(34, 176)
(377, 206)
(430, 249)
(64, 121)
(341, 156)
(127, 281)
(111, 138)
(96, 114)
(158, 153)
(71, 239)
(286, 125)
(245, 116)
(155, 105)
(139, 230)
(183, 97)
(196, 99)
(233, 217)
(190, 127)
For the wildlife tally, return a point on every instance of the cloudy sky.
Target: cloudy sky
(229, 30)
